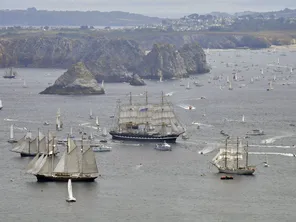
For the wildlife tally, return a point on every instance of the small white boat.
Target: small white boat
(70, 193)
(101, 148)
(1, 106)
(163, 146)
(97, 121)
(90, 114)
(256, 132)
(266, 161)
(270, 86)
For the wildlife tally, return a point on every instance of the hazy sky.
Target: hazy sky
(161, 8)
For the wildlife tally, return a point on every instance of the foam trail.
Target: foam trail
(11, 120)
(209, 148)
(201, 124)
(186, 106)
(273, 139)
(271, 153)
(272, 146)
(83, 124)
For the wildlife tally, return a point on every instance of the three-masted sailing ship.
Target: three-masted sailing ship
(76, 163)
(233, 159)
(146, 121)
(59, 123)
(27, 146)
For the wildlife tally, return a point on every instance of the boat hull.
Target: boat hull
(237, 171)
(27, 154)
(9, 77)
(44, 178)
(12, 141)
(144, 138)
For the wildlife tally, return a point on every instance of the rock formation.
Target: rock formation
(137, 81)
(76, 81)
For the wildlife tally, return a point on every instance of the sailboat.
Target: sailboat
(70, 193)
(291, 70)
(252, 80)
(25, 84)
(243, 118)
(270, 86)
(90, 114)
(278, 61)
(262, 71)
(1, 106)
(146, 121)
(233, 159)
(104, 132)
(27, 146)
(227, 79)
(71, 133)
(11, 136)
(102, 85)
(188, 85)
(10, 74)
(230, 86)
(266, 161)
(59, 123)
(77, 164)
(97, 121)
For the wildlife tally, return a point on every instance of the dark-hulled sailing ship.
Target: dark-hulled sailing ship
(156, 122)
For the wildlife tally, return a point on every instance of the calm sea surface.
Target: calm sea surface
(168, 186)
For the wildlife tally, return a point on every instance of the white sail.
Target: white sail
(1, 106)
(97, 121)
(188, 85)
(60, 167)
(227, 79)
(89, 164)
(25, 84)
(70, 192)
(102, 84)
(262, 71)
(11, 136)
(38, 164)
(104, 132)
(90, 114)
(243, 118)
(71, 131)
(32, 163)
(46, 166)
(230, 86)
(37, 168)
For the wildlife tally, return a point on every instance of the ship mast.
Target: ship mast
(225, 156)
(237, 144)
(38, 141)
(247, 154)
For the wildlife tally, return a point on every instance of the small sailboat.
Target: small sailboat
(104, 132)
(102, 85)
(252, 80)
(10, 74)
(230, 86)
(59, 123)
(71, 133)
(243, 118)
(262, 71)
(25, 84)
(70, 193)
(270, 86)
(97, 121)
(188, 85)
(266, 161)
(291, 70)
(227, 79)
(278, 62)
(1, 106)
(160, 79)
(91, 114)
(11, 136)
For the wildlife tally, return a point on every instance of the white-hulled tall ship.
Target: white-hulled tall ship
(76, 163)
(156, 122)
(233, 159)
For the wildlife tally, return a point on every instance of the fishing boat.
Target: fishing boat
(10, 74)
(233, 159)
(1, 106)
(155, 122)
(11, 136)
(70, 192)
(27, 146)
(101, 148)
(59, 123)
(77, 164)
(163, 146)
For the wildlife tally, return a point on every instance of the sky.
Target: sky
(160, 8)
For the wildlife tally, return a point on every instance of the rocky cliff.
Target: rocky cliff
(166, 62)
(109, 60)
(78, 80)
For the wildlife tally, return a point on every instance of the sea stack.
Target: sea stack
(78, 80)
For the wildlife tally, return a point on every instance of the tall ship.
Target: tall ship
(76, 163)
(27, 146)
(233, 158)
(146, 121)
(10, 74)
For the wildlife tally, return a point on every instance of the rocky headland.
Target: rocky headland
(95, 59)
(78, 80)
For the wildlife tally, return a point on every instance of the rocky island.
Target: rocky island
(78, 80)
